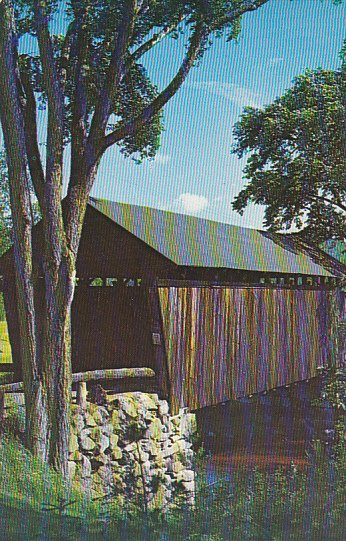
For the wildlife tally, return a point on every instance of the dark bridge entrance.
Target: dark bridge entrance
(111, 327)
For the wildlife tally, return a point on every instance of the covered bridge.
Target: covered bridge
(218, 311)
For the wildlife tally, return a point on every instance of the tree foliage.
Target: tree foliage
(104, 43)
(297, 162)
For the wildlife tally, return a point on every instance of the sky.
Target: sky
(194, 170)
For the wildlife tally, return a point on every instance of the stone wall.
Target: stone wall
(132, 449)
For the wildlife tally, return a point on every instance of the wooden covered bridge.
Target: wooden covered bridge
(218, 311)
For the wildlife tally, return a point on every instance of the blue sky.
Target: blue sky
(194, 170)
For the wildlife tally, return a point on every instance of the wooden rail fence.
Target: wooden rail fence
(81, 379)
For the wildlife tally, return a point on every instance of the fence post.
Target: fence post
(82, 394)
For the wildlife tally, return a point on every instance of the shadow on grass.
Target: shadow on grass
(22, 522)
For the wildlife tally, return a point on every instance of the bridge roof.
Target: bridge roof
(197, 242)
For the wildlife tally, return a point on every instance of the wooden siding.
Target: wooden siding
(224, 343)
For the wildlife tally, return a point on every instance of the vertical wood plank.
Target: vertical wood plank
(161, 367)
(228, 342)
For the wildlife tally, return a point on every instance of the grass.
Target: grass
(5, 348)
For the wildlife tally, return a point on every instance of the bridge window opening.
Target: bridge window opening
(110, 282)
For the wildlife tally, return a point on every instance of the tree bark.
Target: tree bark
(56, 365)
(13, 129)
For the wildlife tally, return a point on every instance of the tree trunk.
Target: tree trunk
(14, 138)
(59, 282)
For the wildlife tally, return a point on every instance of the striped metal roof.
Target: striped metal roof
(198, 242)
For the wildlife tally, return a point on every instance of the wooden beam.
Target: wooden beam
(113, 373)
(94, 375)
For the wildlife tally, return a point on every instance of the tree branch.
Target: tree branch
(326, 200)
(79, 106)
(54, 95)
(115, 73)
(143, 6)
(154, 40)
(245, 8)
(55, 245)
(30, 124)
(197, 40)
(200, 35)
(66, 49)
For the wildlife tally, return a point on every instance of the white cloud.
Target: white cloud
(237, 94)
(276, 60)
(162, 158)
(191, 203)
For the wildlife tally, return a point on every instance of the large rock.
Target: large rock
(163, 408)
(117, 420)
(86, 467)
(186, 476)
(189, 486)
(113, 441)
(87, 444)
(177, 467)
(103, 443)
(146, 401)
(116, 453)
(89, 420)
(128, 405)
(73, 443)
(155, 430)
(71, 469)
(78, 422)
(188, 425)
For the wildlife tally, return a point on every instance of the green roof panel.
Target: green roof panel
(198, 242)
